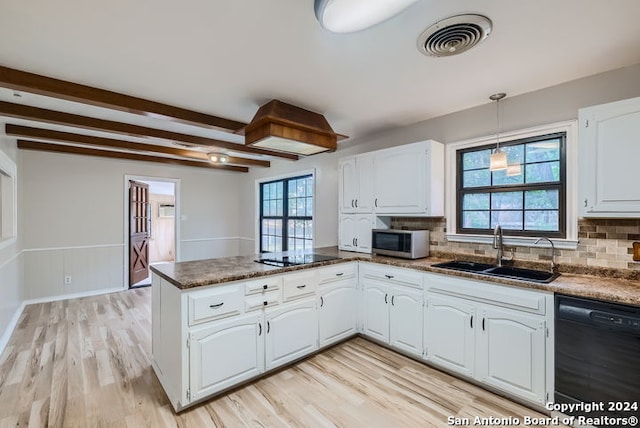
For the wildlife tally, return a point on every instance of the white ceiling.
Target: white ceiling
(227, 57)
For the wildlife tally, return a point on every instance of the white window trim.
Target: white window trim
(571, 129)
(259, 181)
(8, 167)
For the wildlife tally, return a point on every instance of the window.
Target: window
(531, 203)
(286, 214)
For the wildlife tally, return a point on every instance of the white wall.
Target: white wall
(549, 105)
(73, 216)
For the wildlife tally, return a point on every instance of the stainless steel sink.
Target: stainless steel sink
(500, 271)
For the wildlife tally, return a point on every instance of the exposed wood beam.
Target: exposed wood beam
(59, 148)
(60, 118)
(43, 85)
(47, 134)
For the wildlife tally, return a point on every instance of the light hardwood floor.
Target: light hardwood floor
(86, 363)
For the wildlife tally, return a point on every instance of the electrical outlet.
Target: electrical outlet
(67, 280)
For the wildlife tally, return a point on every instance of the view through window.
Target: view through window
(286, 214)
(528, 203)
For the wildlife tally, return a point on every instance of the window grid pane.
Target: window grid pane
(530, 203)
(295, 211)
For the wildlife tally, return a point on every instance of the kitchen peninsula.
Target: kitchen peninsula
(221, 322)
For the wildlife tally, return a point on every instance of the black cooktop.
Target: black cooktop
(293, 259)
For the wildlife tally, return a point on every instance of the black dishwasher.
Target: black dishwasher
(597, 348)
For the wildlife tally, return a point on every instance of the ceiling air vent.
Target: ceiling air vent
(454, 35)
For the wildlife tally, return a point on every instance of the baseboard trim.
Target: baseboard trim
(80, 294)
(4, 340)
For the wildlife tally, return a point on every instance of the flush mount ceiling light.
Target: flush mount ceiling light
(218, 157)
(348, 16)
(454, 35)
(287, 128)
(498, 159)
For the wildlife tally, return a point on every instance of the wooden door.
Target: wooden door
(139, 231)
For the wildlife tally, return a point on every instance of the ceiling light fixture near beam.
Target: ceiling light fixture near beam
(348, 16)
(218, 157)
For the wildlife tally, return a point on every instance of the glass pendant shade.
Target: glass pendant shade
(498, 161)
(514, 169)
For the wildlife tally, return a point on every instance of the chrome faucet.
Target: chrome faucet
(497, 244)
(554, 266)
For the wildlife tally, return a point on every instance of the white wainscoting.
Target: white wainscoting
(209, 248)
(91, 268)
(11, 303)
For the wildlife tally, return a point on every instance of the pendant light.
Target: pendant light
(514, 169)
(498, 159)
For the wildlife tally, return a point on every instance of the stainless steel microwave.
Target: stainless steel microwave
(408, 244)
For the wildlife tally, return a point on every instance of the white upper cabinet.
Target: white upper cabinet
(356, 184)
(354, 232)
(403, 180)
(608, 158)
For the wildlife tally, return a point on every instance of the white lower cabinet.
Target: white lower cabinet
(375, 310)
(225, 354)
(501, 336)
(337, 312)
(292, 332)
(392, 307)
(405, 320)
(511, 353)
(448, 333)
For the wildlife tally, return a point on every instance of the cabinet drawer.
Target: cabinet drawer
(268, 283)
(260, 301)
(207, 305)
(393, 275)
(299, 284)
(337, 272)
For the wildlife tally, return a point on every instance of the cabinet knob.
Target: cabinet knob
(265, 303)
(264, 287)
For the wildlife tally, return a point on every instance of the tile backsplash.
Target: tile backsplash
(605, 243)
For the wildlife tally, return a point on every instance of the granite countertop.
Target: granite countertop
(187, 275)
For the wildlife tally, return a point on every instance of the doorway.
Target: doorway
(151, 229)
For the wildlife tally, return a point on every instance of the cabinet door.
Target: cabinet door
(449, 333)
(292, 332)
(364, 226)
(375, 310)
(608, 159)
(511, 353)
(225, 354)
(337, 312)
(400, 179)
(347, 232)
(365, 174)
(406, 320)
(348, 190)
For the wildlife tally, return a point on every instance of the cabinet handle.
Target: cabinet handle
(340, 274)
(268, 327)
(385, 298)
(353, 241)
(300, 287)
(585, 202)
(392, 299)
(389, 276)
(265, 303)
(471, 321)
(375, 203)
(356, 242)
(260, 329)
(321, 301)
(356, 203)
(352, 202)
(482, 324)
(216, 305)
(265, 286)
